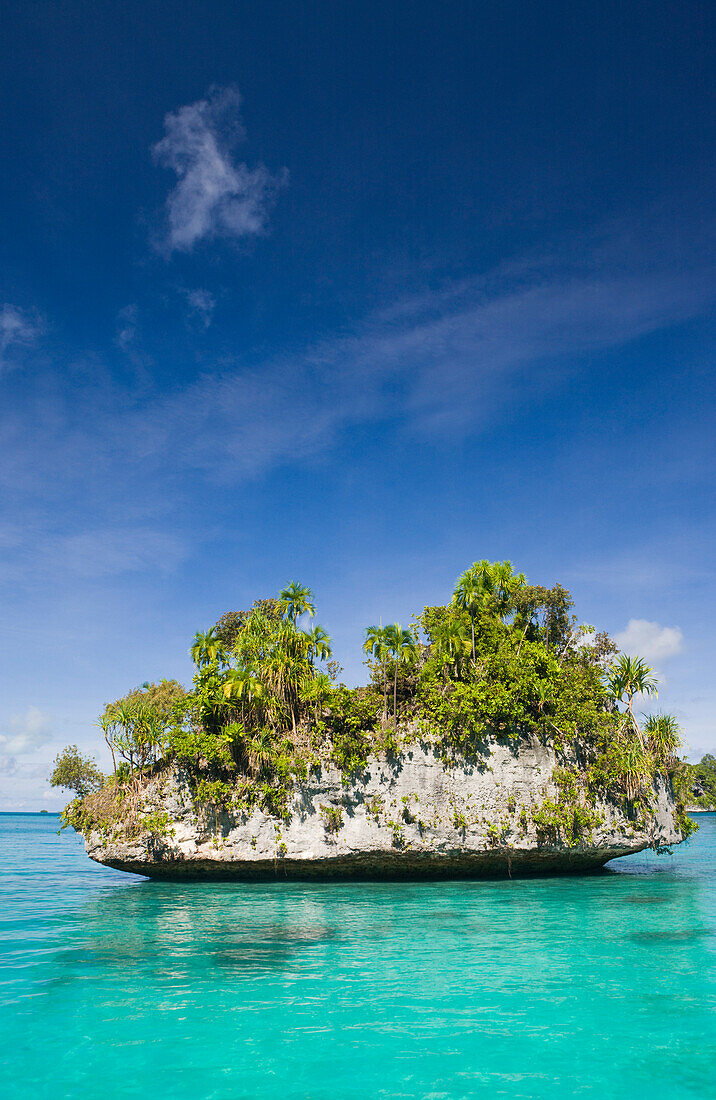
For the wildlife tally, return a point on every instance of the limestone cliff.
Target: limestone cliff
(412, 816)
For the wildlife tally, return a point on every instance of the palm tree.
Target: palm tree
(206, 648)
(627, 677)
(318, 644)
(296, 600)
(402, 648)
(505, 582)
(242, 685)
(375, 646)
(318, 690)
(473, 591)
(454, 642)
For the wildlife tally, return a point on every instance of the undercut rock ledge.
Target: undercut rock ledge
(412, 817)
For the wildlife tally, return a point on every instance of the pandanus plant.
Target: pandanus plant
(663, 737)
(108, 724)
(626, 678)
(261, 751)
(635, 768)
(137, 733)
(318, 690)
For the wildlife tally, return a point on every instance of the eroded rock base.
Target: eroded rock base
(382, 867)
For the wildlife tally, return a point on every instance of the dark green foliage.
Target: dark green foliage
(503, 694)
(516, 683)
(197, 746)
(76, 772)
(695, 784)
(505, 659)
(230, 625)
(350, 724)
(543, 614)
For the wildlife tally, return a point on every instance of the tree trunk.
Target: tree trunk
(385, 694)
(395, 690)
(636, 725)
(110, 746)
(472, 626)
(524, 633)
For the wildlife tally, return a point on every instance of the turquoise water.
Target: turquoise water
(113, 986)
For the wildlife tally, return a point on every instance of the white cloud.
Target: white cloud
(109, 552)
(19, 330)
(26, 733)
(201, 305)
(214, 195)
(94, 553)
(650, 640)
(127, 326)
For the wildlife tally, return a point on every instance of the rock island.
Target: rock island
(495, 736)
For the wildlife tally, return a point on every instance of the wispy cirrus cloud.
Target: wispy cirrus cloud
(19, 331)
(442, 362)
(34, 552)
(215, 195)
(450, 363)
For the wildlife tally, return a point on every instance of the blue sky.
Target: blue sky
(352, 294)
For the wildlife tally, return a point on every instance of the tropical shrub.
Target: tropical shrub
(503, 659)
(76, 772)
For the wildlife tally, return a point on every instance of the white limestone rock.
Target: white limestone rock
(411, 817)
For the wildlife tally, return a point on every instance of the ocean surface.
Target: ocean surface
(114, 986)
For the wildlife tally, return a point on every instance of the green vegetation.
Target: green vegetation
(695, 784)
(570, 817)
(332, 818)
(504, 659)
(76, 772)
